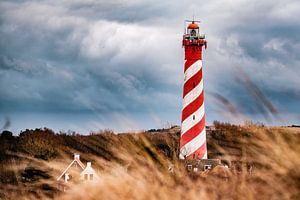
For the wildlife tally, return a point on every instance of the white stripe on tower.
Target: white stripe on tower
(192, 95)
(192, 146)
(192, 120)
(192, 70)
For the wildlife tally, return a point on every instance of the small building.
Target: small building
(197, 165)
(88, 174)
(76, 172)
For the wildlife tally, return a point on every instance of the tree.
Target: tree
(6, 134)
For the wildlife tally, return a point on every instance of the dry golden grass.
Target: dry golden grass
(141, 172)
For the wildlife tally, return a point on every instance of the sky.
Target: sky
(92, 65)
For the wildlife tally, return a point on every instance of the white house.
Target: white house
(88, 174)
(76, 171)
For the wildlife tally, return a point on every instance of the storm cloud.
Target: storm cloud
(89, 65)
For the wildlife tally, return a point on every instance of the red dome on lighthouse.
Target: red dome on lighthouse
(193, 26)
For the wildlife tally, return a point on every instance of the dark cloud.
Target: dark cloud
(123, 59)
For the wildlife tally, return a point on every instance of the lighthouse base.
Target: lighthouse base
(196, 165)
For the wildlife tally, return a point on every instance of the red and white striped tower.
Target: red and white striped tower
(193, 134)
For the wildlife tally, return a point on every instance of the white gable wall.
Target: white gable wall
(89, 173)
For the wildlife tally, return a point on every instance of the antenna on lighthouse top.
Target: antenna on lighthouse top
(191, 21)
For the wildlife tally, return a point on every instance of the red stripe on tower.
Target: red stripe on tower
(193, 134)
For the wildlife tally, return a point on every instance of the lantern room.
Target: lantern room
(192, 30)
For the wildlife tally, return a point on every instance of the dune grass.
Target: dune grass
(264, 164)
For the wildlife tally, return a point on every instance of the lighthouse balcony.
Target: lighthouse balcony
(193, 41)
(195, 37)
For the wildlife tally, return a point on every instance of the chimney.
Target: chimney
(88, 164)
(76, 156)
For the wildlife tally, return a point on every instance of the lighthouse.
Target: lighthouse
(193, 133)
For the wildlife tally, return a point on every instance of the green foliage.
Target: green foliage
(39, 143)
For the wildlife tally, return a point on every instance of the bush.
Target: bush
(39, 143)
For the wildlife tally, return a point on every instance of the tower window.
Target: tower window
(194, 84)
(207, 167)
(193, 117)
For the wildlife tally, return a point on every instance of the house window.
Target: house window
(207, 167)
(189, 167)
(85, 176)
(91, 177)
(195, 169)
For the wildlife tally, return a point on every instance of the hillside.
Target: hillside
(31, 161)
